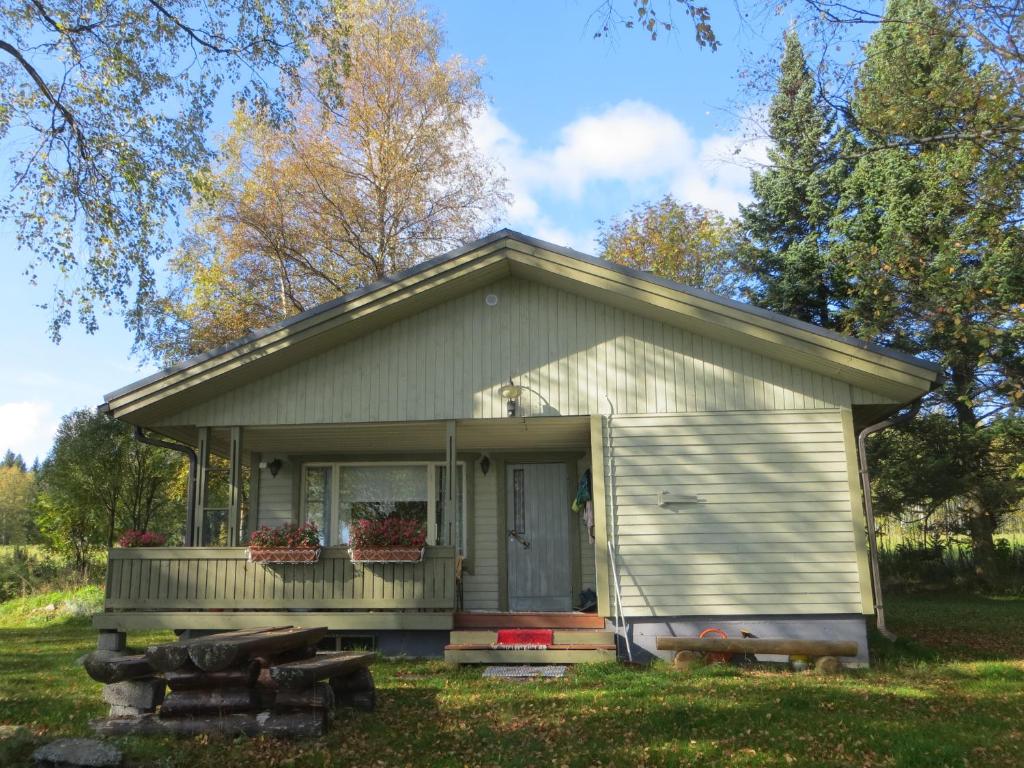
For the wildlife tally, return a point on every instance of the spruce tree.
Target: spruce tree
(794, 198)
(928, 238)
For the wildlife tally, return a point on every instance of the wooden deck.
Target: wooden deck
(214, 579)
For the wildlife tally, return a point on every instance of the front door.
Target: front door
(539, 563)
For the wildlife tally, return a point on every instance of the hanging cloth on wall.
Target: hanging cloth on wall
(584, 502)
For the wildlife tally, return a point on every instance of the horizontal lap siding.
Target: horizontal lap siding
(773, 533)
(275, 506)
(571, 355)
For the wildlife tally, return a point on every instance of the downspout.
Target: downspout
(193, 462)
(869, 513)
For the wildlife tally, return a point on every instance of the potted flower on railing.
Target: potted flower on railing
(141, 539)
(387, 540)
(287, 543)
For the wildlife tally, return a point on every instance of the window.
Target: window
(317, 499)
(378, 491)
(337, 494)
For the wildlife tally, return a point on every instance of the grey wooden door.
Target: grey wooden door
(537, 529)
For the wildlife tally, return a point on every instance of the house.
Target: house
(721, 439)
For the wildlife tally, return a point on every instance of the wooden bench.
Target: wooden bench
(824, 653)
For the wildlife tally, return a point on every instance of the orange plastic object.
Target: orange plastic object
(716, 658)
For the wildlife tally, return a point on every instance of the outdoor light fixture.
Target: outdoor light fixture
(511, 394)
(485, 464)
(274, 467)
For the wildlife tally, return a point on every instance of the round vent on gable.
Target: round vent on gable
(491, 300)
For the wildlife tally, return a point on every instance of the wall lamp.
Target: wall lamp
(274, 466)
(511, 394)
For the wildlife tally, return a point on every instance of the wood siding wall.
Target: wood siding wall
(204, 578)
(480, 587)
(276, 504)
(571, 355)
(772, 534)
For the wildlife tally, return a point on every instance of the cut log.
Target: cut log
(781, 646)
(296, 654)
(356, 682)
(213, 654)
(318, 696)
(120, 711)
(828, 665)
(362, 700)
(308, 724)
(168, 657)
(302, 674)
(144, 693)
(196, 679)
(685, 661)
(211, 702)
(110, 667)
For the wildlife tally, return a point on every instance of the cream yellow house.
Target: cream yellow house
(475, 390)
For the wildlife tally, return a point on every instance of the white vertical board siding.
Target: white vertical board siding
(275, 505)
(773, 533)
(571, 355)
(480, 587)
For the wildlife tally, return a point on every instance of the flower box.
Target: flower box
(386, 554)
(285, 544)
(387, 540)
(284, 554)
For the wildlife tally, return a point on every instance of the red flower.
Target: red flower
(141, 539)
(289, 535)
(388, 531)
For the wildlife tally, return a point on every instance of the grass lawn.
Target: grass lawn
(950, 694)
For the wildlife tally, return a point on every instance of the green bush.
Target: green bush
(940, 564)
(30, 570)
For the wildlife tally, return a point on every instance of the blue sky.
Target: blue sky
(584, 129)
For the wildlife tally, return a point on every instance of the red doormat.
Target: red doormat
(524, 639)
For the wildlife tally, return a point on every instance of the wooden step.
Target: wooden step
(562, 655)
(562, 637)
(528, 621)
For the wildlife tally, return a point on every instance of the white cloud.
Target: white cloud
(27, 427)
(634, 148)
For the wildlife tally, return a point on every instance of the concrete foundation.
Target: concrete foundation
(417, 644)
(643, 632)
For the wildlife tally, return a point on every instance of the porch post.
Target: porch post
(597, 491)
(202, 471)
(451, 466)
(234, 486)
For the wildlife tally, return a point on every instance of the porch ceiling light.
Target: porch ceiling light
(511, 394)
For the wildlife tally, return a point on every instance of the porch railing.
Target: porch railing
(222, 578)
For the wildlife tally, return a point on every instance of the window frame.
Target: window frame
(429, 466)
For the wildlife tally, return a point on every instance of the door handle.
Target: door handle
(525, 542)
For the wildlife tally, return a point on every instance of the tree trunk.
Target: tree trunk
(981, 528)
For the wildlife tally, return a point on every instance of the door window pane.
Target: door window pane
(519, 501)
(318, 500)
(376, 492)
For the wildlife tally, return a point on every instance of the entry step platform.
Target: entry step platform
(559, 645)
(537, 620)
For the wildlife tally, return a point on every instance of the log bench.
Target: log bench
(824, 653)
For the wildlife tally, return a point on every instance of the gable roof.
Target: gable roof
(894, 374)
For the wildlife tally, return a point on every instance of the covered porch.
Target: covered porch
(250, 476)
